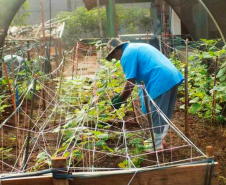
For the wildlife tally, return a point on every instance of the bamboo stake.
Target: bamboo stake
(148, 110)
(186, 91)
(214, 93)
(30, 122)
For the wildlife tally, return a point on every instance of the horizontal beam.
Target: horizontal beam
(189, 175)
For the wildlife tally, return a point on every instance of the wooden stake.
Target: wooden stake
(186, 91)
(209, 152)
(60, 162)
(214, 94)
(148, 110)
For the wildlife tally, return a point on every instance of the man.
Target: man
(143, 62)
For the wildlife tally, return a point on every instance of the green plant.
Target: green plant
(201, 80)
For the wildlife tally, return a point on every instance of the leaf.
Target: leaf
(195, 100)
(100, 143)
(194, 108)
(221, 72)
(103, 136)
(122, 165)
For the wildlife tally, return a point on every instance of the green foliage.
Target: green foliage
(21, 16)
(201, 81)
(83, 23)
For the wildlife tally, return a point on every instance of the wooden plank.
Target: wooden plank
(41, 180)
(183, 175)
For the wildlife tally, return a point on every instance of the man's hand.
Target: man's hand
(128, 88)
(116, 101)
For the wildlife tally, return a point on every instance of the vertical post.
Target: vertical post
(28, 50)
(186, 91)
(111, 19)
(214, 93)
(30, 122)
(148, 110)
(59, 162)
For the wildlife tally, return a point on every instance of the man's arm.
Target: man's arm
(128, 88)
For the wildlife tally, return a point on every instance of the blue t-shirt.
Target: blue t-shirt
(143, 62)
